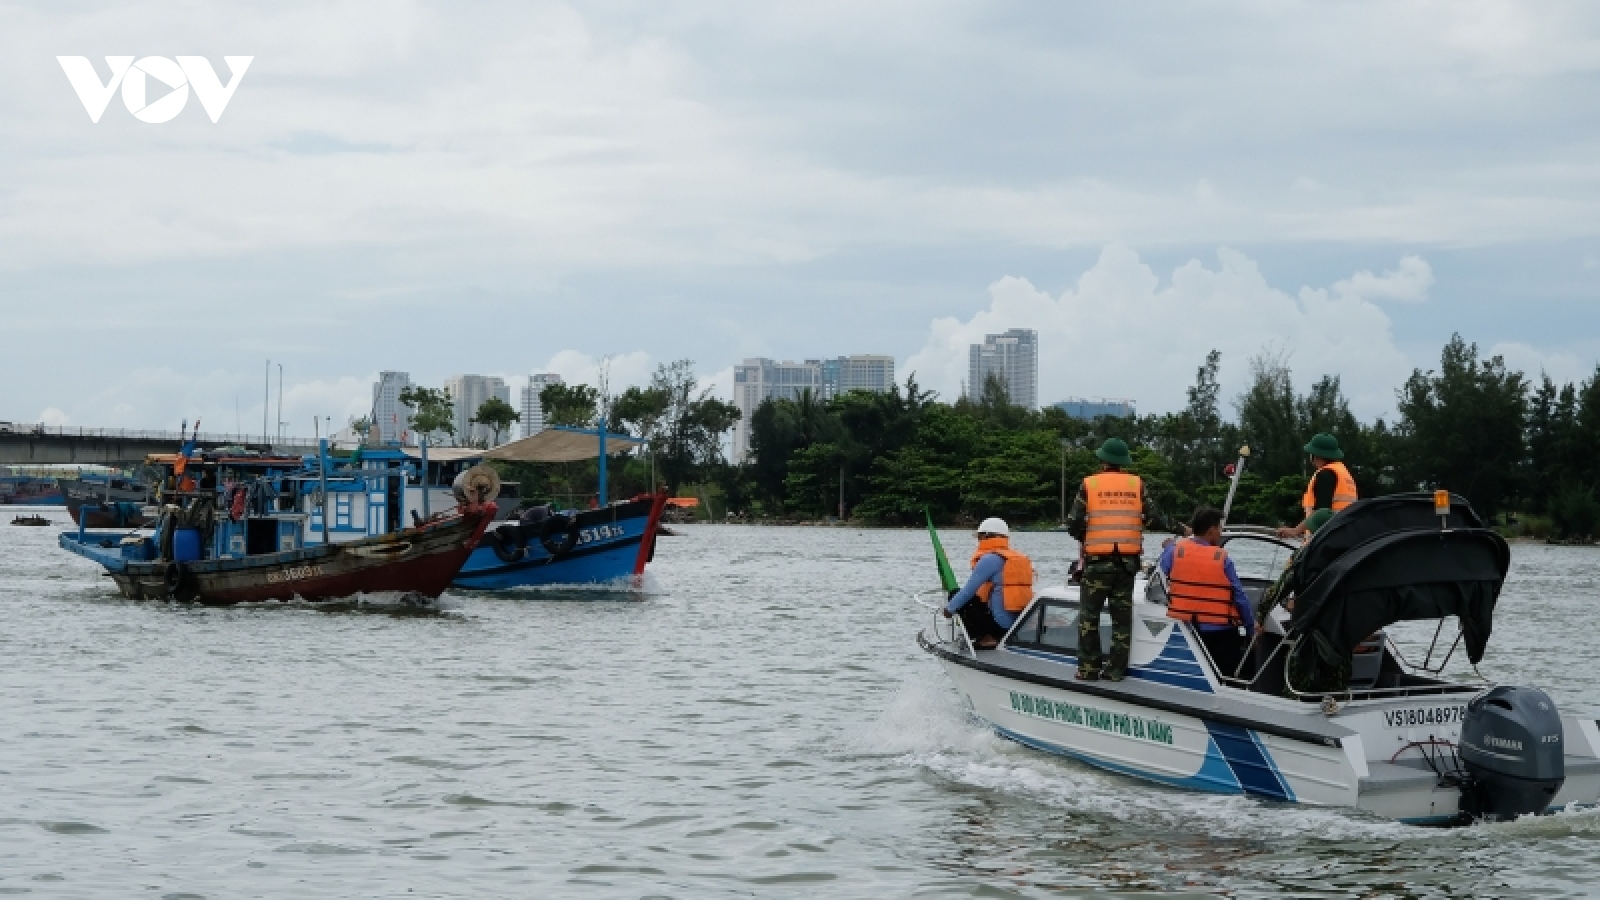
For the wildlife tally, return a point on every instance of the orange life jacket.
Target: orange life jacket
(1116, 514)
(1198, 590)
(1016, 577)
(1344, 493)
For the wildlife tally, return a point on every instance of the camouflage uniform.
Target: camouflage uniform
(1108, 584)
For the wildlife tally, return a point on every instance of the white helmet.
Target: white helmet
(993, 525)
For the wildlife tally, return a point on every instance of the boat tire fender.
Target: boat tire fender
(558, 535)
(172, 578)
(508, 544)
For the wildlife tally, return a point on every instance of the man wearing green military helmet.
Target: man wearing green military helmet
(1108, 518)
(1332, 488)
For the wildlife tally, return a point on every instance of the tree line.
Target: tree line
(1510, 444)
(1471, 425)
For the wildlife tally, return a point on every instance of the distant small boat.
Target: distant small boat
(30, 520)
(106, 501)
(26, 490)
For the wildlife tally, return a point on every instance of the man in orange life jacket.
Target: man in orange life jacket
(1331, 486)
(1203, 589)
(1002, 582)
(1108, 518)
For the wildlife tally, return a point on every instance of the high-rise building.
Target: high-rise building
(1089, 410)
(861, 372)
(1012, 355)
(760, 379)
(532, 410)
(467, 393)
(757, 380)
(392, 417)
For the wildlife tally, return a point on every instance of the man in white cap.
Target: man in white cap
(1002, 579)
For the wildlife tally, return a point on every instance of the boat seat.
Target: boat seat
(1366, 663)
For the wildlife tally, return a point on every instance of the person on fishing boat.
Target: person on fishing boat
(1331, 486)
(1001, 582)
(1203, 589)
(1108, 518)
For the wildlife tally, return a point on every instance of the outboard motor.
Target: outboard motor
(1512, 751)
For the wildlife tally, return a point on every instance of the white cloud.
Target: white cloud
(625, 370)
(720, 383)
(1121, 332)
(53, 416)
(1562, 366)
(1408, 283)
(716, 181)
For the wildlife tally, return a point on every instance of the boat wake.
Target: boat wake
(926, 728)
(626, 587)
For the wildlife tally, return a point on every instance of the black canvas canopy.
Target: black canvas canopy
(1388, 560)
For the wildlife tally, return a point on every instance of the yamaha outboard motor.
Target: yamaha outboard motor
(1512, 751)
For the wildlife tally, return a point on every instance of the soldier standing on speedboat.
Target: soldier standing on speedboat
(1331, 486)
(1108, 518)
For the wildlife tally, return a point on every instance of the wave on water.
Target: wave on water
(927, 728)
(626, 587)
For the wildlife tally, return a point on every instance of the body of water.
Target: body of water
(760, 723)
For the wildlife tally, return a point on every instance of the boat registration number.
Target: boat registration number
(1427, 715)
(599, 533)
(294, 573)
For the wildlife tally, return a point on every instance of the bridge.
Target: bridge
(24, 444)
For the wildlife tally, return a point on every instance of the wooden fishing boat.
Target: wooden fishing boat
(250, 528)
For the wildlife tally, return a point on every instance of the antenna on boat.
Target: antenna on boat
(1235, 470)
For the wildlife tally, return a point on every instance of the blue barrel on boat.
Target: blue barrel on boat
(186, 544)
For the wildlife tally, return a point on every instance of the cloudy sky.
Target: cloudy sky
(504, 188)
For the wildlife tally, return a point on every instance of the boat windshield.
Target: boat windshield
(1258, 556)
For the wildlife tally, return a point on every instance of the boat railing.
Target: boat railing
(956, 628)
(1331, 700)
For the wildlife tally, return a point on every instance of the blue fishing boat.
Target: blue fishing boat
(532, 546)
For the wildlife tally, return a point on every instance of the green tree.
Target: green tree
(691, 424)
(1268, 419)
(638, 411)
(1463, 427)
(570, 405)
(498, 415)
(930, 470)
(432, 412)
(1018, 476)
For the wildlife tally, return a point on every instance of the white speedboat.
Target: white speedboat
(1326, 710)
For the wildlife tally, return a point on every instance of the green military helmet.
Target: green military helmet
(1326, 446)
(1115, 452)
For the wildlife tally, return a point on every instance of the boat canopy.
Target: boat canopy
(1389, 560)
(562, 445)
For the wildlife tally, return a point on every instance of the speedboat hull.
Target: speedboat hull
(1173, 722)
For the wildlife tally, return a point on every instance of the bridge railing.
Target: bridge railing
(175, 437)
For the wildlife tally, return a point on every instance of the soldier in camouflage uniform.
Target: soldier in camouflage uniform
(1108, 577)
